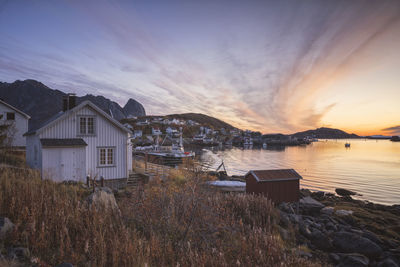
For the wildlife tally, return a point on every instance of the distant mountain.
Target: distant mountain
(42, 102)
(203, 119)
(325, 133)
(197, 117)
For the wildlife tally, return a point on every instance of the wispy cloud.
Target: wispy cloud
(394, 130)
(260, 66)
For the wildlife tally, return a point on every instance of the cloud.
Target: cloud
(394, 130)
(260, 66)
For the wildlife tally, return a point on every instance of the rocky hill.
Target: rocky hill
(325, 133)
(42, 102)
(203, 120)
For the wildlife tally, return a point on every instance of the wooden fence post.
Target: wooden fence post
(102, 181)
(88, 181)
(145, 162)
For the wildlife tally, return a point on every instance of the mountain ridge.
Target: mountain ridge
(42, 102)
(325, 133)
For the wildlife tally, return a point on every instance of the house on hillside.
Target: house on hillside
(277, 185)
(137, 133)
(156, 131)
(79, 141)
(18, 124)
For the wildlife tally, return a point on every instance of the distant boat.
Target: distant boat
(347, 145)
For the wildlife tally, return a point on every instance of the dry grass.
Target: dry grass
(164, 223)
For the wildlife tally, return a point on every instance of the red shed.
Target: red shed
(277, 185)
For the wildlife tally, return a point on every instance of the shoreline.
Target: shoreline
(342, 230)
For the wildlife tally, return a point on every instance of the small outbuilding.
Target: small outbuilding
(278, 185)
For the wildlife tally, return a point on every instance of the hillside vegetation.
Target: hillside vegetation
(175, 223)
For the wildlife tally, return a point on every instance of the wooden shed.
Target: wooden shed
(278, 185)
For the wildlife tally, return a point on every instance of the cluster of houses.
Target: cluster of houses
(78, 141)
(82, 140)
(159, 120)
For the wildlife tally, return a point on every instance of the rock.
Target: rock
(302, 253)
(284, 234)
(334, 257)
(327, 210)
(6, 226)
(65, 264)
(344, 192)
(388, 262)
(284, 219)
(18, 253)
(310, 205)
(305, 192)
(371, 236)
(331, 227)
(354, 243)
(103, 197)
(320, 240)
(343, 213)
(353, 260)
(286, 208)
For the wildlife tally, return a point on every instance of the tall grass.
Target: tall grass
(163, 223)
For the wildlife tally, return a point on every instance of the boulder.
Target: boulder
(6, 226)
(327, 210)
(344, 192)
(343, 213)
(354, 243)
(320, 240)
(310, 205)
(352, 260)
(388, 262)
(103, 197)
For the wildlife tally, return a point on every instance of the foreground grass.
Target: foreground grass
(170, 223)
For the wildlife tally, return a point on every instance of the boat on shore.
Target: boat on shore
(170, 156)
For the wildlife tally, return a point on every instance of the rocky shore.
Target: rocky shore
(342, 231)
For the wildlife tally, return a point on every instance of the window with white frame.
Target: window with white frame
(106, 156)
(86, 125)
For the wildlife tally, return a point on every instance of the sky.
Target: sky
(272, 66)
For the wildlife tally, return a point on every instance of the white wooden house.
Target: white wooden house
(80, 141)
(18, 124)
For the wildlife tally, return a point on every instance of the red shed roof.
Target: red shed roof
(275, 175)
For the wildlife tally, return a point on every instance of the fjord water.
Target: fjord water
(369, 167)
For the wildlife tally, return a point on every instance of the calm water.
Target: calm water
(369, 167)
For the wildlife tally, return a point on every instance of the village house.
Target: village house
(142, 122)
(277, 185)
(137, 133)
(79, 141)
(171, 130)
(18, 124)
(156, 131)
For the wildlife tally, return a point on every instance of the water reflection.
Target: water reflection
(370, 167)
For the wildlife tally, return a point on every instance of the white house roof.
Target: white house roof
(61, 115)
(15, 109)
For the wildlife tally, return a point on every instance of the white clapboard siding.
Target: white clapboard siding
(18, 127)
(64, 164)
(107, 135)
(32, 145)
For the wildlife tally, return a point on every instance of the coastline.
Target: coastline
(342, 230)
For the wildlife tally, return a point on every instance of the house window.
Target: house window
(86, 125)
(106, 156)
(10, 116)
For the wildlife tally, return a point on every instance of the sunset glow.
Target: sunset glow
(271, 66)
